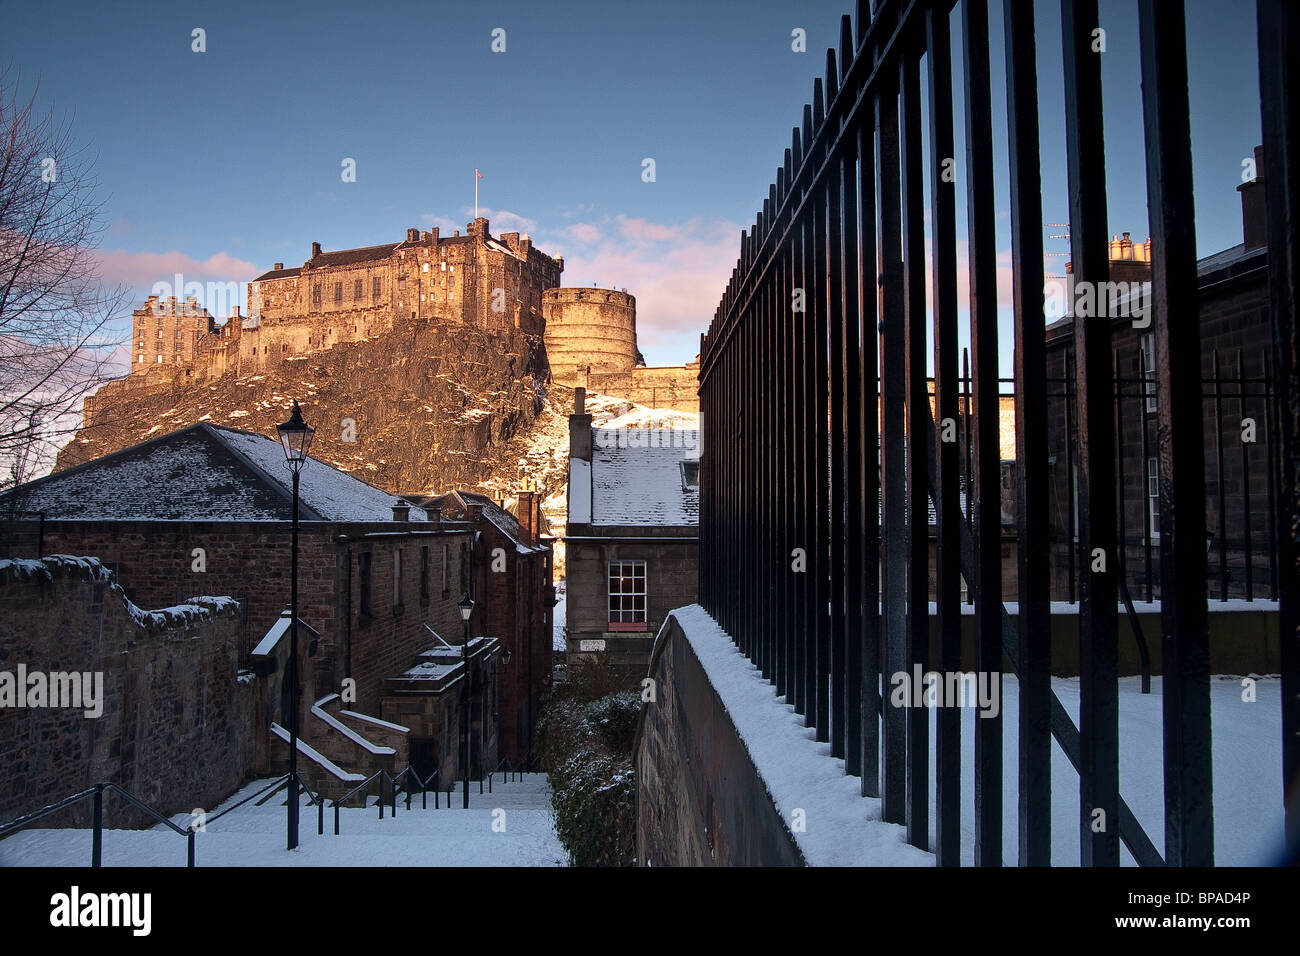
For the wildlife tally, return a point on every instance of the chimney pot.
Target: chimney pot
(279, 266)
(315, 249)
(401, 510)
(579, 400)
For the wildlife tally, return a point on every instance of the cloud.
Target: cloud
(503, 220)
(584, 232)
(677, 272)
(143, 269)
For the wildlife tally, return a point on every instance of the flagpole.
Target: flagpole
(476, 192)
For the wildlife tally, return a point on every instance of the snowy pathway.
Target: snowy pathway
(255, 836)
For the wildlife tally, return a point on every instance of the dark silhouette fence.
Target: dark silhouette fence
(824, 593)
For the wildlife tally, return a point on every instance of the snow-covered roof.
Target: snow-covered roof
(205, 473)
(636, 477)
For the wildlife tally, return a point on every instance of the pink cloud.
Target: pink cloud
(642, 230)
(146, 268)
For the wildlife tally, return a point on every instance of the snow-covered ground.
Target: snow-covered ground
(559, 623)
(255, 836)
(843, 828)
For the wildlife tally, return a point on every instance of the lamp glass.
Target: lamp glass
(295, 436)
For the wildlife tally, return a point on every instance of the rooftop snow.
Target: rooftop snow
(204, 472)
(636, 477)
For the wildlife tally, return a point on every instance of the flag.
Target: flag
(478, 174)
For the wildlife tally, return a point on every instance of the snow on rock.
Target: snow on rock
(843, 827)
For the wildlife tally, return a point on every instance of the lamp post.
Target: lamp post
(466, 609)
(295, 436)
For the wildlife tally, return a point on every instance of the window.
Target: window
(374, 287)
(424, 574)
(401, 282)
(1153, 496)
(627, 596)
(356, 289)
(446, 557)
(397, 577)
(1149, 369)
(363, 569)
(338, 292)
(315, 294)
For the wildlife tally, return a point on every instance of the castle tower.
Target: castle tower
(589, 327)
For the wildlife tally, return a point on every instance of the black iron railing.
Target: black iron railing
(825, 592)
(96, 795)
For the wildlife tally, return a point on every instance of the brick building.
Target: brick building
(514, 596)
(206, 510)
(1236, 342)
(632, 539)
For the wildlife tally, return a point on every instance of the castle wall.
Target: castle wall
(589, 327)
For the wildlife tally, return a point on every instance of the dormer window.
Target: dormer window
(690, 469)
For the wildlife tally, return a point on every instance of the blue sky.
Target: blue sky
(220, 163)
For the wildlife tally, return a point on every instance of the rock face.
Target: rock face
(424, 408)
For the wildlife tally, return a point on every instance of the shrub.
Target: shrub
(584, 741)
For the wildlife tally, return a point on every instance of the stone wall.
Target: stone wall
(589, 327)
(700, 799)
(177, 728)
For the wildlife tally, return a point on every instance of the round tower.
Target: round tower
(589, 327)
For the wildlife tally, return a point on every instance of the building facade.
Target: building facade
(631, 540)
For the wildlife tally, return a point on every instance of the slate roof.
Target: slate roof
(453, 505)
(346, 257)
(280, 274)
(636, 477)
(204, 473)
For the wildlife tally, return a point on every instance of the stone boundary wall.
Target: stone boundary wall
(178, 717)
(700, 799)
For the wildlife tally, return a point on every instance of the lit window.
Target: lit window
(1149, 369)
(627, 596)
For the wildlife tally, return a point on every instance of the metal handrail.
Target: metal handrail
(97, 823)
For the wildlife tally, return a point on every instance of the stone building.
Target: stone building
(206, 510)
(514, 604)
(168, 332)
(632, 539)
(353, 294)
(591, 343)
(1236, 344)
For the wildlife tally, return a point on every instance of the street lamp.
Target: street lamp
(295, 436)
(466, 609)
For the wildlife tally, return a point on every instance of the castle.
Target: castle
(475, 279)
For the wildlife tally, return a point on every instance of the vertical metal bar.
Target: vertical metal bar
(918, 415)
(988, 479)
(97, 828)
(943, 246)
(893, 468)
(1121, 535)
(1223, 498)
(1147, 527)
(782, 360)
(968, 448)
(1270, 461)
(1189, 803)
(189, 849)
(821, 446)
(872, 297)
(1279, 38)
(802, 360)
(1071, 484)
(1098, 646)
(855, 502)
(1247, 549)
(835, 516)
(1032, 509)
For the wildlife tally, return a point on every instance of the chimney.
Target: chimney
(579, 460)
(413, 235)
(526, 511)
(279, 266)
(424, 237)
(456, 233)
(435, 514)
(1254, 217)
(401, 510)
(433, 235)
(315, 249)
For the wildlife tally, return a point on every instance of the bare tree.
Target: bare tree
(55, 341)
